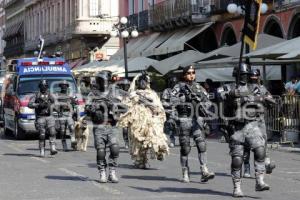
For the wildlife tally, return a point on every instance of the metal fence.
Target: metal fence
(284, 118)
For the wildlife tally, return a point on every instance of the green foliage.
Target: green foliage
(158, 83)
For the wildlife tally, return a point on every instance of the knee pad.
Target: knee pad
(201, 146)
(101, 154)
(185, 150)
(114, 151)
(236, 163)
(259, 154)
(52, 131)
(42, 136)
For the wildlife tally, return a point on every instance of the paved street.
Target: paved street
(73, 176)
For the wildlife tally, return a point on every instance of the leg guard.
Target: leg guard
(184, 152)
(259, 159)
(101, 161)
(42, 148)
(114, 154)
(247, 152)
(236, 165)
(201, 147)
(64, 145)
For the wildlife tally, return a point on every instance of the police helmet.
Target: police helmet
(63, 84)
(255, 72)
(43, 84)
(172, 80)
(124, 84)
(143, 81)
(103, 78)
(244, 69)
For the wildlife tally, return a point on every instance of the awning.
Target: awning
(178, 40)
(13, 30)
(277, 50)
(264, 40)
(159, 40)
(145, 44)
(225, 74)
(174, 62)
(117, 66)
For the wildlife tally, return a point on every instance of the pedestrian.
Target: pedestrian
(259, 90)
(42, 103)
(170, 126)
(187, 95)
(290, 86)
(144, 118)
(65, 107)
(247, 133)
(103, 125)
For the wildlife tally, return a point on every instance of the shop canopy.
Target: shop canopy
(284, 50)
(177, 61)
(117, 66)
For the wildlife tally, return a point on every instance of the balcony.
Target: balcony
(140, 20)
(93, 26)
(170, 14)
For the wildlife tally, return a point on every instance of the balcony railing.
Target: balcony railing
(140, 20)
(172, 13)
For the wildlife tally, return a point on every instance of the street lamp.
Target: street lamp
(122, 30)
(244, 8)
(239, 8)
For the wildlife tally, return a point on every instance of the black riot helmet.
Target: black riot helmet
(172, 80)
(255, 72)
(64, 85)
(43, 85)
(124, 84)
(103, 80)
(244, 72)
(254, 76)
(143, 81)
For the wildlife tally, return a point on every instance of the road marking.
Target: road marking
(40, 159)
(109, 190)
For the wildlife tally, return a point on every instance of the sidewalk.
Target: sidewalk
(295, 148)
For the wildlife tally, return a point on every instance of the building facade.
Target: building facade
(175, 19)
(14, 28)
(2, 29)
(78, 28)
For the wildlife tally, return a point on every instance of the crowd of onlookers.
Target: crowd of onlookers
(292, 87)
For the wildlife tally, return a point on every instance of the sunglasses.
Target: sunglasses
(190, 73)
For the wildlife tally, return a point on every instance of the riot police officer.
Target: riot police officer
(248, 109)
(124, 85)
(45, 122)
(65, 108)
(104, 130)
(188, 94)
(259, 89)
(170, 125)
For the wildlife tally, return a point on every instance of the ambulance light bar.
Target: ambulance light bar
(42, 63)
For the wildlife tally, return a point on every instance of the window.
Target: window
(94, 8)
(131, 7)
(141, 5)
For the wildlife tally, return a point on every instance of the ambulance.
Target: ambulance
(21, 83)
